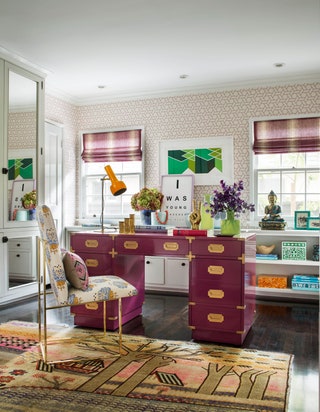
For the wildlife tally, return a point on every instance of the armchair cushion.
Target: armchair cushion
(76, 271)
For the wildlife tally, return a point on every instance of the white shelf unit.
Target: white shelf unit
(287, 267)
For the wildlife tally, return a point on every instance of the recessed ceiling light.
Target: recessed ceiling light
(183, 76)
(278, 65)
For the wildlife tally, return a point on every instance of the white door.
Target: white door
(53, 173)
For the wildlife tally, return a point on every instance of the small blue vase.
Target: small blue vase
(145, 216)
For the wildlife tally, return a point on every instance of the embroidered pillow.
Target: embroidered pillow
(76, 270)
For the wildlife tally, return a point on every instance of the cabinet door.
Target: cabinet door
(177, 273)
(23, 137)
(154, 270)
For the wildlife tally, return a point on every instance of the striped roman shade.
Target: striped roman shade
(287, 135)
(116, 146)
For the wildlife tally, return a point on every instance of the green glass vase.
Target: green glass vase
(230, 226)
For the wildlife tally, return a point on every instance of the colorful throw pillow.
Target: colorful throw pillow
(76, 270)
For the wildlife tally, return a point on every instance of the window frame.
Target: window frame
(82, 176)
(254, 217)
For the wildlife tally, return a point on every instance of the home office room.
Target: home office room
(160, 212)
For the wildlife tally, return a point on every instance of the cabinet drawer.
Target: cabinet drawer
(88, 242)
(20, 244)
(20, 262)
(218, 246)
(219, 318)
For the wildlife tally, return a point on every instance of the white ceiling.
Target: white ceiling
(142, 47)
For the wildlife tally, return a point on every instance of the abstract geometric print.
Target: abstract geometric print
(20, 167)
(196, 160)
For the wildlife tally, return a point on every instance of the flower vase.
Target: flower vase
(230, 226)
(145, 216)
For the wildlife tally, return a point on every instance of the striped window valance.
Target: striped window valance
(287, 135)
(115, 146)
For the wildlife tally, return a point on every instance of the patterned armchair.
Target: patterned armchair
(70, 282)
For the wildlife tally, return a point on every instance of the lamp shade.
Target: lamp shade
(117, 187)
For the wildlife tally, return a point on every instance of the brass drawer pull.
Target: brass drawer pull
(215, 318)
(215, 248)
(171, 246)
(92, 243)
(92, 306)
(216, 293)
(92, 263)
(215, 270)
(131, 244)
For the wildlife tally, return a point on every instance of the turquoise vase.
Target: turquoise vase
(230, 226)
(145, 216)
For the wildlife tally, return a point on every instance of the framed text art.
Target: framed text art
(177, 198)
(208, 159)
(19, 188)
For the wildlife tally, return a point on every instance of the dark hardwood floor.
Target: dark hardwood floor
(278, 327)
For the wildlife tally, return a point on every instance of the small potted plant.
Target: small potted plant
(146, 201)
(29, 200)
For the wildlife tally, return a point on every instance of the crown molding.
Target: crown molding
(203, 89)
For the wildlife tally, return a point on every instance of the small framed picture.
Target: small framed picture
(301, 219)
(313, 223)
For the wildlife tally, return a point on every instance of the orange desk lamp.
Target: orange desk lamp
(117, 187)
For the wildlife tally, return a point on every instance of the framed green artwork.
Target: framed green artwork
(208, 159)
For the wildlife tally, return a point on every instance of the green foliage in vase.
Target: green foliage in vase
(29, 200)
(147, 199)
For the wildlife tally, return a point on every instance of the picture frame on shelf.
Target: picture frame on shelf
(313, 223)
(301, 219)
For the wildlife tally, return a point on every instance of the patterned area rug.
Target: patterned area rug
(187, 374)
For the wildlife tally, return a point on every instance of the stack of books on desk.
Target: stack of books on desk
(151, 229)
(181, 231)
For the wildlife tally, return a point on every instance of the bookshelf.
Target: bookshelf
(287, 268)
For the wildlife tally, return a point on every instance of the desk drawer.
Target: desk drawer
(218, 318)
(97, 264)
(217, 270)
(88, 242)
(216, 292)
(149, 245)
(218, 247)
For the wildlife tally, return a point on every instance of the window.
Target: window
(124, 155)
(286, 159)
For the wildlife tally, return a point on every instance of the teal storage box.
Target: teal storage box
(294, 250)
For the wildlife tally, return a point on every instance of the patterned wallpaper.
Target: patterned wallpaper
(22, 130)
(221, 113)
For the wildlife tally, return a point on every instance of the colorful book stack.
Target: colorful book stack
(305, 282)
(267, 257)
(150, 229)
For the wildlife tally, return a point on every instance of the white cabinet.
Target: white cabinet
(287, 268)
(22, 168)
(166, 274)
